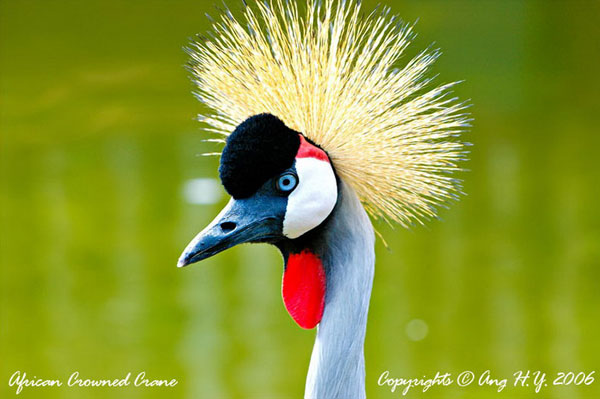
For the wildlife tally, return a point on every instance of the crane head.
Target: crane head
(281, 187)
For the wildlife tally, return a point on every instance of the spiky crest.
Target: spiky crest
(330, 73)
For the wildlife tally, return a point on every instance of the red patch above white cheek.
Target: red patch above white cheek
(316, 194)
(303, 288)
(307, 150)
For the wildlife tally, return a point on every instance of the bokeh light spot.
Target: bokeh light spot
(202, 191)
(416, 330)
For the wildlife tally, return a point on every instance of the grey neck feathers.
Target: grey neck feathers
(337, 365)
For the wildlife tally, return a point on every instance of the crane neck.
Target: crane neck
(345, 245)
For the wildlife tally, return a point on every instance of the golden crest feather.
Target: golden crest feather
(331, 74)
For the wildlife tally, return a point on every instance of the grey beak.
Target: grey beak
(245, 220)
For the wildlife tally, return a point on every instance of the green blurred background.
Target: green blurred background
(98, 145)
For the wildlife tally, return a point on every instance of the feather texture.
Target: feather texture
(331, 72)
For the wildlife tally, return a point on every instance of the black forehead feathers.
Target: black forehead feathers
(260, 148)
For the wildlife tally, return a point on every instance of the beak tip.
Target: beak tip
(182, 262)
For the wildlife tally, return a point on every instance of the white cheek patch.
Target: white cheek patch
(313, 199)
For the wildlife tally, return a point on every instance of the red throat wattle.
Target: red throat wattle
(303, 288)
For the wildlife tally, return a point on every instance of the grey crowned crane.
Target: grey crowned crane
(320, 127)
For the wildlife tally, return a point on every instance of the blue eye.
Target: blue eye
(287, 182)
